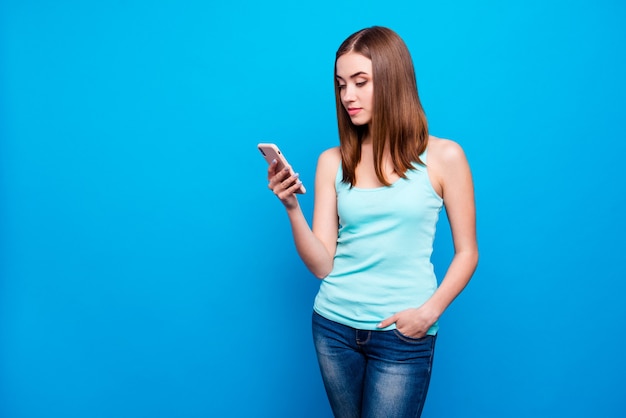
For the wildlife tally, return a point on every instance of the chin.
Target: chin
(360, 121)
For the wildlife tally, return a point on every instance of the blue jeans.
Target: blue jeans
(372, 374)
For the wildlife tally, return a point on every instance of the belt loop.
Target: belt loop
(362, 336)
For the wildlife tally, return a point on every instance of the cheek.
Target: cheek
(370, 95)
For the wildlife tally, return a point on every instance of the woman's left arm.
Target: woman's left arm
(452, 178)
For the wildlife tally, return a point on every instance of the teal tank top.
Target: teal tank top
(382, 262)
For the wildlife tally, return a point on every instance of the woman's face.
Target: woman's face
(353, 74)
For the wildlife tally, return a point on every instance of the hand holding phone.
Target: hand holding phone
(271, 152)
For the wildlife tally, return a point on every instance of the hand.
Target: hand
(413, 322)
(283, 184)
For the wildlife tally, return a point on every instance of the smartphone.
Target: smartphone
(271, 152)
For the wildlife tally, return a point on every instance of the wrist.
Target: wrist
(292, 207)
(433, 310)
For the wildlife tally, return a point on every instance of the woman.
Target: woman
(377, 201)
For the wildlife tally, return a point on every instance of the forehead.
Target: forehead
(352, 63)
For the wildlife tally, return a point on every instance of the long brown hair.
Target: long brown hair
(398, 119)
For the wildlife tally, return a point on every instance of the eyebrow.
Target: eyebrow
(353, 75)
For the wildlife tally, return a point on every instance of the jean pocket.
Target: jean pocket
(411, 340)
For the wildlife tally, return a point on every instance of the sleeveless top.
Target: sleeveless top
(382, 261)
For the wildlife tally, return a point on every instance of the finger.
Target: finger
(386, 322)
(292, 187)
(282, 181)
(287, 193)
(295, 187)
(291, 180)
(276, 177)
(272, 169)
(281, 175)
(286, 188)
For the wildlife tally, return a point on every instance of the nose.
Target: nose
(348, 93)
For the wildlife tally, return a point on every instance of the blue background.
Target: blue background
(146, 270)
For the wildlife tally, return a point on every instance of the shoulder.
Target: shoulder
(328, 164)
(447, 164)
(329, 159)
(331, 154)
(444, 152)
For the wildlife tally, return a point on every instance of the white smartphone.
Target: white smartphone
(271, 152)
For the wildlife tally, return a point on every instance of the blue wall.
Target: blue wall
(146, 271)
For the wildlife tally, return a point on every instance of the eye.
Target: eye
(361, 83)
(341, 86)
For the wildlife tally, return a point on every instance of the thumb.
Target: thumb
(386, 322)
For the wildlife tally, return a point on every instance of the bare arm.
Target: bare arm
(452, 172)
(452, 179)
(315, 246)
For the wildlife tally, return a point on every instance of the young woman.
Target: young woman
(377, 201)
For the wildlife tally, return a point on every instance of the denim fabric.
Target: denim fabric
(372, 374)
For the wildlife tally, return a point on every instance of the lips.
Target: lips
(353, 110)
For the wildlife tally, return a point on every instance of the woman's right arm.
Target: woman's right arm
(315, 246)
